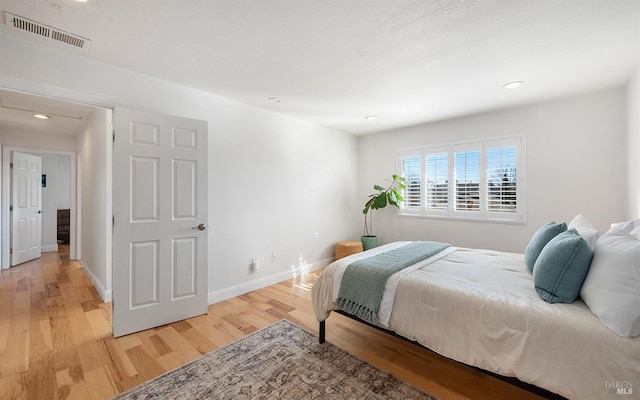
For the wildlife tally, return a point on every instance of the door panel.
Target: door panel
(160, 199)
(145, 273)
(144, 182)
(184, 203)
(26, 233)
(184, 268)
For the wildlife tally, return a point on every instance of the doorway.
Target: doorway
(80, 127)
(95, 205)
(70, 199)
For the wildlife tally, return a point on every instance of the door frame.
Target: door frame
(74, 229)
(64, 94)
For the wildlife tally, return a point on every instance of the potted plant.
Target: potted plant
(380, 199)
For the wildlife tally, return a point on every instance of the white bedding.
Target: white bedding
(480, 307)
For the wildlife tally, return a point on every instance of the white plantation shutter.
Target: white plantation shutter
(467, 179)
(437, 181)
(505, 179)
(412, 172)
(502, 184)
(481, 180)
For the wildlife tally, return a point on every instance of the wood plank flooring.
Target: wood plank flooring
(56, 342)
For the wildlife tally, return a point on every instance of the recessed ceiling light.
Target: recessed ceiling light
(513, 85)
(275, 99)
(41, 116)
(371, 117)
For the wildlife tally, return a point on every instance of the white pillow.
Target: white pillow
(636, 232)
(612, 287)
(585, 229)
(633, 227)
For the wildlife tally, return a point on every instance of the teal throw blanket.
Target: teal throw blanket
(364, 280)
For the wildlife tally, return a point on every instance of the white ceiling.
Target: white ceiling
(17, 112)
(333, 62)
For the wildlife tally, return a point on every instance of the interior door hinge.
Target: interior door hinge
(114, 136)
(11, 165)
(113, 220)
(10, 208)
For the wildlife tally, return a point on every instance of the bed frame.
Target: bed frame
(514, 381)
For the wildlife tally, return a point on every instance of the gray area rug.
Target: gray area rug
(281, 361)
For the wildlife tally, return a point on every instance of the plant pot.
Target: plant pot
(369, 242)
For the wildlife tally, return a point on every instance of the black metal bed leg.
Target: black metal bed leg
(321, 330)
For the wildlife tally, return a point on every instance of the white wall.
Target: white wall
(95, 194)
(274, 181)
(39, 141)
(64, 182)
(50, 203)
(576, 163)
(633, 148)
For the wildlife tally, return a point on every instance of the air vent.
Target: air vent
(46, 31)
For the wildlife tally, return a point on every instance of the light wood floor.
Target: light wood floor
(56, 342)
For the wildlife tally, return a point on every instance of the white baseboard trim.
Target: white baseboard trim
(48, 248)
(104, 293)
(227, 293)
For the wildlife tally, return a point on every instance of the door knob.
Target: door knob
(200, 227)
(39, 211)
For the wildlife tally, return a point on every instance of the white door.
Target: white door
(160, 207)
(26, 218)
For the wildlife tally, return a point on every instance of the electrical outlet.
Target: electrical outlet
(254, 265)
(273, 257)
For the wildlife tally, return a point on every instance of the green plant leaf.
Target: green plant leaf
(380, 202)
(378, 187)
(369, 204)
(395, 198)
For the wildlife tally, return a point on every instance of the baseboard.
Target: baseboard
(48, 248)
(227, 293)
(102, 291)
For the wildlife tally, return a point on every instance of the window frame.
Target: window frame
(483, 214)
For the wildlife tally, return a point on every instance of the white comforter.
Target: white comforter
(480, 307)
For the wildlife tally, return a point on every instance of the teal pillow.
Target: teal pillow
(562, 267)
(539, 240)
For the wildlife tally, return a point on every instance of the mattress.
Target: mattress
(480, 307)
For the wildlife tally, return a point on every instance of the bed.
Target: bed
(480, 307)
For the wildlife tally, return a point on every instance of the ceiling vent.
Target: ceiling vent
(46, 31)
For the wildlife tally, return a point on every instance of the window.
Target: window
(411, 172)
(479, 180)
(437, 179)
(502, 179)
(466, 175)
